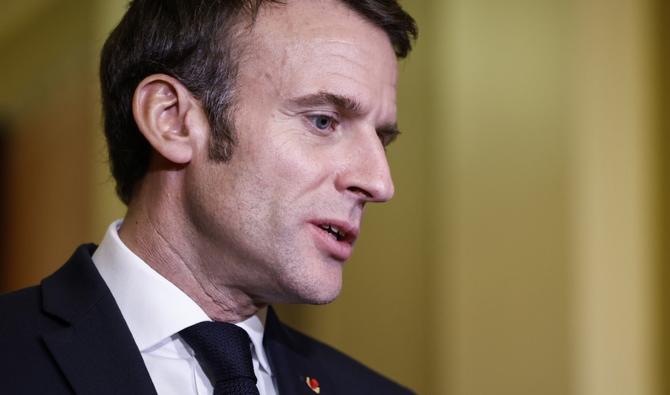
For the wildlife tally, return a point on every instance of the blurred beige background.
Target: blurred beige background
(525, 252)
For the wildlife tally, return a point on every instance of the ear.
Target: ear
(163, 109)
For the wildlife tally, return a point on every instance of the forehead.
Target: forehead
(325, 39)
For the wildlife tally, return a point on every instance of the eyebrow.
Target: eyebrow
(387, 133)
(327, 98)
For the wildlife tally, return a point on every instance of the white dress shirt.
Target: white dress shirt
(156, 310)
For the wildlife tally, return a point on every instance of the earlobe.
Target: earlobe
(161, 105)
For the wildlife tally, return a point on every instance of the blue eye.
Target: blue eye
(322, 122)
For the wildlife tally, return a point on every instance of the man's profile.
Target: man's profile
(245, 138)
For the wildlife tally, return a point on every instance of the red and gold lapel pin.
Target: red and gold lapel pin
(313, 384)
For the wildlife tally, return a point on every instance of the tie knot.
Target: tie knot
(222, 350)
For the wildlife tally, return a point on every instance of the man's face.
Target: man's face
(315, 104)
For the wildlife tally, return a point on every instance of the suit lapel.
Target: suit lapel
(95, 350)
(292, 362)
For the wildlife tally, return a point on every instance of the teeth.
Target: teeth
(339, 235)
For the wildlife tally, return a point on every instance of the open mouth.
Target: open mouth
(334, 231)
(335, 238)
(338, 230)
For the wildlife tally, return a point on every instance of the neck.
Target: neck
(161, 241)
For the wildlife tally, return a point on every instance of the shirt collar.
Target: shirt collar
(155, 309)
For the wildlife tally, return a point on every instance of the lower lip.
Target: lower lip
(340, 250)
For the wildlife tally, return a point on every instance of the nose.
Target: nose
(366, 171)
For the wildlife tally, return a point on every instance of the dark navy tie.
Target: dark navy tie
(223, 351)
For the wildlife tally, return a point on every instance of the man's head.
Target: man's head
(200, 43)
(307, 101)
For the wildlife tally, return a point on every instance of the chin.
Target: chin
(324, 297)
(317, 291)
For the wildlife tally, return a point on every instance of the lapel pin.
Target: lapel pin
(313, 384)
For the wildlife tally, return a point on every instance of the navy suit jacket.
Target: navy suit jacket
(67, 336)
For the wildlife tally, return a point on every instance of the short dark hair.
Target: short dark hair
(193, 41)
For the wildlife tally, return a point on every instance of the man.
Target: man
(246, 138)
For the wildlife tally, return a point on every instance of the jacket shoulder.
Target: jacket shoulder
(26, 365)
(22, 314)
(25, 313)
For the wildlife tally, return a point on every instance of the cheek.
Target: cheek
(300, 168)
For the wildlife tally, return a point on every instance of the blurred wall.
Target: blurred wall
(59, 193)
(662, 106)
(524, 251)
(45, 104)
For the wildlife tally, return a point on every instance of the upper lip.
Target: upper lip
(349, 230)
